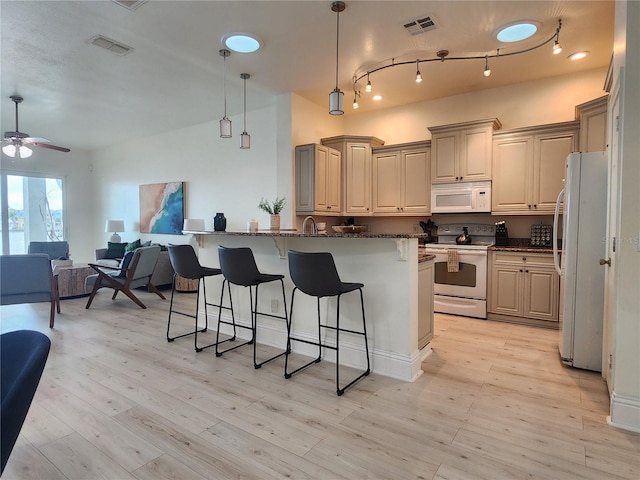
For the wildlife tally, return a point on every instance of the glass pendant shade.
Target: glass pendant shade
(336, 102)
(245, 141)
(225, 127)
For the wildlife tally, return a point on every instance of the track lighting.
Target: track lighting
(418, 75)
(557, 48)
(225, 123)
(487, 70)
(245, 138)
(336, 97)
(443, 55)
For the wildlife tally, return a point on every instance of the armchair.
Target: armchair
(55, 250)
(134, 271)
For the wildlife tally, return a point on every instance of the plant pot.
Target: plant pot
(275, 222)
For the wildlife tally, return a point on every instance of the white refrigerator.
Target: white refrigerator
(583, 245)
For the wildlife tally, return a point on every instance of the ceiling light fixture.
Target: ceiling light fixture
(241, 42)
(336, 97)
(245, 138)
(487, 70)
(418, 75)
(442, 55)
(225, 123)
(557, 48)
(18, 152)
(578, 55)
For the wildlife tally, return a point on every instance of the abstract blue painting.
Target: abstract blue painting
(162, 208)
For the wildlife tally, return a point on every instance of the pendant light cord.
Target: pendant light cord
(337, 44)
(224, 82)
(245, 103)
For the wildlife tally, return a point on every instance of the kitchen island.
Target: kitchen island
(387, 264)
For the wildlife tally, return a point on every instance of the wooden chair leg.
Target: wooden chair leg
(152, 288)
(130, 294)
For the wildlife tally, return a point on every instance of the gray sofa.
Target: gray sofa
(162, 275)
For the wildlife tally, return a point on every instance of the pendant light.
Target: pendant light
(245, 138)
(557, 48)
(418, 74)
(225, 123)
(336, 97)
(487, 70)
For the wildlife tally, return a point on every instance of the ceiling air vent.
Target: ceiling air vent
(421, 25)
(111, 45)
(130, 4)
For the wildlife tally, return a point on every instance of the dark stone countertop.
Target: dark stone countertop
(296, 233)
(521, 245)
(425, 257)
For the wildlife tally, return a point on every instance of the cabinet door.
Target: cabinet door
(332, 184)
(511, 175)
(386, 182)
(415, 182)
(506, 290)
(444, 148)
(476, 148)
(320, 183)
(305, 178)
(358, 178)
(425, 303)
(541, 294)
(550, 154)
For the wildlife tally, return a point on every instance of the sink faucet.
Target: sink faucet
(314, 228)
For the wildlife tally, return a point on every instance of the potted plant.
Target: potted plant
(273, 208)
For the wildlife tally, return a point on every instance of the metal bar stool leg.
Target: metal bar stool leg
(219, 352)
(171, 311)
(255, 314)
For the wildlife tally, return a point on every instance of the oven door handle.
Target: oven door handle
(479, 253)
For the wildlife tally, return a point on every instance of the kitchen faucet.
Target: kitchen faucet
(314, 228)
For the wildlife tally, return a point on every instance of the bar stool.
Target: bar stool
(315, 274)
(239, 267)
(185, 263)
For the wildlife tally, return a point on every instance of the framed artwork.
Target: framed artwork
(162, 208)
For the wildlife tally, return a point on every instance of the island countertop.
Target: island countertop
(298, 234)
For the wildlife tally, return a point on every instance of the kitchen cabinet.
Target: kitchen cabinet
(592, 116)
(523, 285)
(356, 171)
(528, 168)
(462, 151)
(401, 179)
(425, 302)
(318, 174)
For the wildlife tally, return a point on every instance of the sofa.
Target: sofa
(162, 275)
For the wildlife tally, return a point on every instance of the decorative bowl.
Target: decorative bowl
(349, 228)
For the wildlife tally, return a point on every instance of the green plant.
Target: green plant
(272, 208)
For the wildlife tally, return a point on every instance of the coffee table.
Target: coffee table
(70, 280)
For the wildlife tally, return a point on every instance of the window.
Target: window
(32, 210)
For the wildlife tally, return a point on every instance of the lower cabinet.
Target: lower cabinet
(524, 285)
(425, 303)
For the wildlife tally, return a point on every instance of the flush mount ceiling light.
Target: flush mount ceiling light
(225, 123)
(242, 42)
(336, 97)
(578, 55)
(443, 55)
(516, 31)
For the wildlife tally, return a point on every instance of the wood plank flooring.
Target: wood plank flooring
(117, 401)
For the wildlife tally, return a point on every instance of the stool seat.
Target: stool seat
(185, 264)
(239, 267)
(315, 274)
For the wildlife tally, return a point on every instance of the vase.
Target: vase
(275, 222)
(219, 222)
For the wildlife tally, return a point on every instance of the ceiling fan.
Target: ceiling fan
(16, 144)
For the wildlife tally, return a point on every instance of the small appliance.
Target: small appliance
(461, 197)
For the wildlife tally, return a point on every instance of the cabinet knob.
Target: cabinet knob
(529, 206)
(521, 270)
(524, 259)
(535, 206)
(605, 262)
(526, 271)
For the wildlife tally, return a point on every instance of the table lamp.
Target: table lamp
(114, 226)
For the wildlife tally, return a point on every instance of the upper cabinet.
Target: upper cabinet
(462, 152)
(356, 171)
(528, 167)
(318, 174)
(401, 179)
(592, 116)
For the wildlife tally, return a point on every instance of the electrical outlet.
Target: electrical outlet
(274, 306)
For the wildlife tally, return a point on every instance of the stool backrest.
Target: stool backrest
(314, 273)
(238, 265)
(185, 261)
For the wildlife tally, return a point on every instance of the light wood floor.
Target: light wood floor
(117, 401)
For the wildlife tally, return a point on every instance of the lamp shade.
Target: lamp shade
(193, 224)
(114, 226)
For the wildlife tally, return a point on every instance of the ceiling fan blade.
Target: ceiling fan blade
(51, 147)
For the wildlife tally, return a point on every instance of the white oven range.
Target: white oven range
(461, 292)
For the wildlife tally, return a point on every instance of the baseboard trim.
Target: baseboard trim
(625, 413)
(352, 353)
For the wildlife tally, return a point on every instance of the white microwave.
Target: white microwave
(462, 197)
